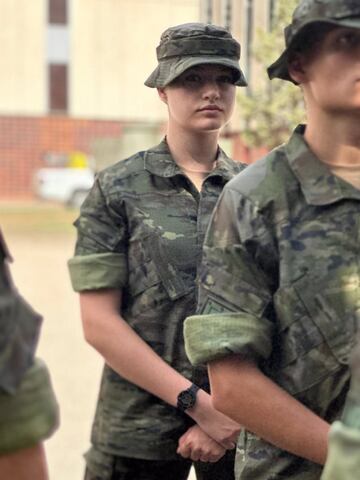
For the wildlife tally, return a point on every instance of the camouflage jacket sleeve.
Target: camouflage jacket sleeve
(236, 284)
(19, 329)
(100, 254)
(343, 460)
(31, 414)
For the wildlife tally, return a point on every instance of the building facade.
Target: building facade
(73, 70)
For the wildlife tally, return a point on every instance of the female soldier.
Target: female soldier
(284, 249)
(139, 241)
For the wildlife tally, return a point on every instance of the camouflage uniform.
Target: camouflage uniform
(28, 409)
(280, 285)
(280, 282)
(141, 230)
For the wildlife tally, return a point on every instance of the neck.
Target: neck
(335, 140)
(193, 150)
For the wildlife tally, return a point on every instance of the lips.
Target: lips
(210, 108)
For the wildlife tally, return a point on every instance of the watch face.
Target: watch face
(186, 400)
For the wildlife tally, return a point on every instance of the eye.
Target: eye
(226, 78)
(348, 39)
(192, 77)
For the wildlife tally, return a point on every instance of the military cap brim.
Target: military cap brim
(279, 69)
(169, 69)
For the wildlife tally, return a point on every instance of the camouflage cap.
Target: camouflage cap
(344, 13)
(190, 44)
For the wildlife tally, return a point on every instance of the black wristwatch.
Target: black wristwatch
(187, 398)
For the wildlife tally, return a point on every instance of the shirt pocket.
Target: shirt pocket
(317, 325)
(150, 266)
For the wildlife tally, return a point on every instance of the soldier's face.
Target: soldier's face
(201, 99)
(330, 76)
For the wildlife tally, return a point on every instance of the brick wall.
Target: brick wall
(25, 140)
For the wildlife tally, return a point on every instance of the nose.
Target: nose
(211, 90)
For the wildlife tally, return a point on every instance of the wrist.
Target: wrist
(202, 408)
(186, 399)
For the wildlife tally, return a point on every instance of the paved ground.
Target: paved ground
(40, 272)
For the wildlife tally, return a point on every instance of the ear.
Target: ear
(296, 68)
(162, 94)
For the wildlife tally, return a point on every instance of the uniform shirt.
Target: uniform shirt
(280, 285)
(141, 230)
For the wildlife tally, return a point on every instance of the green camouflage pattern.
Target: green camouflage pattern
(19, 328)
(342, 13)
(280, 284)
(190, 44)
(31, 414)
(343, 460)
(140, 230)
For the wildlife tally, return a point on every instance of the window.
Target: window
(58, 101)
(227, 14)
(249, 16)
(58, 12)
(206, 12)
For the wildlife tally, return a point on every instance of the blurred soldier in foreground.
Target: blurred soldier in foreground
(343, 461)
(279, 291)
(28, 408)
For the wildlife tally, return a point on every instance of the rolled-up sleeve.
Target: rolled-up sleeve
(343, 459)
(100, 259)
(235, 290)
(96, 271)
(31, 413)
(209, 337)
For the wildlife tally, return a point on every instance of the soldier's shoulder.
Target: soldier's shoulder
(233, 166)
(266, 179)
(237, 167)
(123, 172)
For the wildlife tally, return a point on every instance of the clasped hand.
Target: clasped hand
(197, 445)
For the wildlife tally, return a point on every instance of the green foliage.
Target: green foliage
(270, 110)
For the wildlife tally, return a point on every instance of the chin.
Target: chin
(210, 126)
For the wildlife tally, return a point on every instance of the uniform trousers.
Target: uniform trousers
(137, 469)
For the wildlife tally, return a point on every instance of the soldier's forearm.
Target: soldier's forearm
(243, 393)
(132, 358)
(124, 350)
(29, 463)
